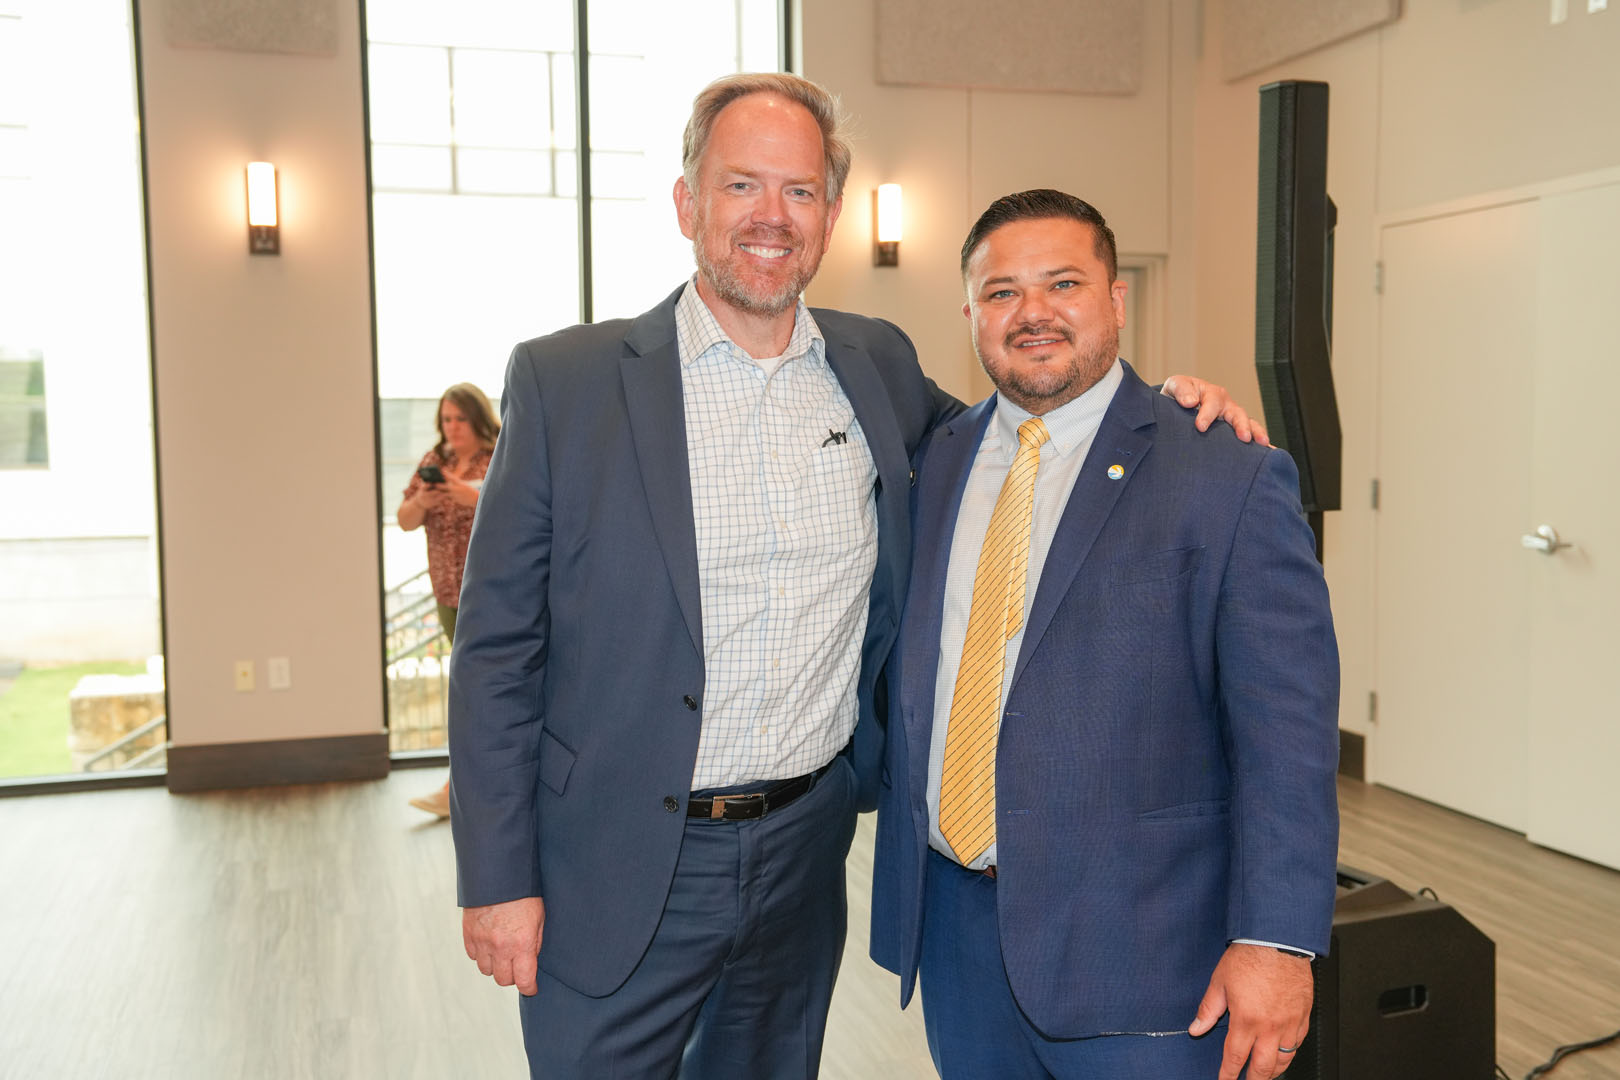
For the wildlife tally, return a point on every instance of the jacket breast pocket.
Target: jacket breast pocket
(556, 762)
(1149, 598)
(1159, 566)
(1204, 808)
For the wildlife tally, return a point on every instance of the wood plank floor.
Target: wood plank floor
(310, 932)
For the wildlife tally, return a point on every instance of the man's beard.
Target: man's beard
(1051, 386)
(730, 287)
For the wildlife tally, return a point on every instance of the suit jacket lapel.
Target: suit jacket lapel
(870, 400)
(942, 480)
(1123, 439)
(652, 393)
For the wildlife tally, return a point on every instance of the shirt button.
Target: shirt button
(690, 702)
(671, 803)
(777, 662)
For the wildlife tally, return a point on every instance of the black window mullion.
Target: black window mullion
(784, 34)
(582, 125)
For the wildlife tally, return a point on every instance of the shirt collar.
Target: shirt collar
(697, 331)
(1071, 424)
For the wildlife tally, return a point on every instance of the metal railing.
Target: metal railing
(418, 666)
(135, 757)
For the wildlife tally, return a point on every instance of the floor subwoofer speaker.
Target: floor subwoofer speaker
(1408, 990)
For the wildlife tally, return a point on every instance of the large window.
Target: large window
(22, 410)
(81, 674)
(479, 206)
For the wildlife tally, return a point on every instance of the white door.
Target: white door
(1457, 341)
(1574, 659)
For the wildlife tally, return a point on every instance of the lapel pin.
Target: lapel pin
(1115, 472)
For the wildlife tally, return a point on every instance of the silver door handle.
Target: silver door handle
(1545, 540)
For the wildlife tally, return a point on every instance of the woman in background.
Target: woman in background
(442, 495)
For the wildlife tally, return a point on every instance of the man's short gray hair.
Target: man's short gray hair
(707, 106)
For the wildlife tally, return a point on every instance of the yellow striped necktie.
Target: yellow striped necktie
(967, 796)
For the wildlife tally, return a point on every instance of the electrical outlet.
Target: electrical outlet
(278, 673)
(244, 676)
(1560, 12)
(1593, 6)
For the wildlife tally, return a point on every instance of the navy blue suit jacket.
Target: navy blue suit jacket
(1165, 769)
(577, 683)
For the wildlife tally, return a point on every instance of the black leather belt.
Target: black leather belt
(755, 804)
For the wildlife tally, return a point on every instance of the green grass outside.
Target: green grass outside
(34, 716)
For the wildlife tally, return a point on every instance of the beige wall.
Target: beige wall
(1480, 95)
(955, 150)
(263, 364)
(264, 391)
(1225, 159)
(1452, 100)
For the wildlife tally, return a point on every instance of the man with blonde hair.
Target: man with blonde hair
(684, 579)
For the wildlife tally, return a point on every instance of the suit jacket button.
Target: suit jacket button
(671, 803)
(690, 702)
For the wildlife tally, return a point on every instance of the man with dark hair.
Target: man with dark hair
(1045, 204)
(1110, 825)
(683, 583)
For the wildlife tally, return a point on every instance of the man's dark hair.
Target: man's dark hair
(1037, 204)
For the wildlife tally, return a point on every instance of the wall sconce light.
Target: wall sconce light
(886, 225)
(264, 218)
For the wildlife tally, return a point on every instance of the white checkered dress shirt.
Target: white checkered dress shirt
(786, 542)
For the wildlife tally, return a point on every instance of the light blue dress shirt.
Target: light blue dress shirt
(1072, 427)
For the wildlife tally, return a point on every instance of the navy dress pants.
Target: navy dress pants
(976, 1029)
(738, 977)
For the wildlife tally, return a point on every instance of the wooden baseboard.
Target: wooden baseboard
(97, 781)
(1352, 755)
(282, 761)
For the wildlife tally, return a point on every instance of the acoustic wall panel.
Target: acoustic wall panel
(1070, 46)
(271, 26)
(1256, 34)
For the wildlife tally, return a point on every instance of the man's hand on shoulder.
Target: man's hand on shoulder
(504, 940)
(1214, 403)
(1268, 994)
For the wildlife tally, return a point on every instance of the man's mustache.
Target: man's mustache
(769, 236)
(1028, 330)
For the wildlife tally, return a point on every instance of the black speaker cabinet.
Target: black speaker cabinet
(1407, 992)
(1293, 328)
